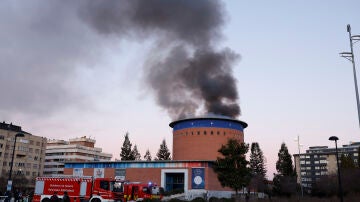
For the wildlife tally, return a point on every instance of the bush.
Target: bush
(151, 200)
(174, 191)
(198, 199)
(215, 199)
(175, 200)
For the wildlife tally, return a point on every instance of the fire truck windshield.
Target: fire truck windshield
(116, 186)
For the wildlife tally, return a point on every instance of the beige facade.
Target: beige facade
(75, 150)
(321, 161)
(29, 152)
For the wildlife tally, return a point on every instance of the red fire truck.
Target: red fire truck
(135, 191)
(93, 189)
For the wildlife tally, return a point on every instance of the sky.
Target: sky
(69, 70)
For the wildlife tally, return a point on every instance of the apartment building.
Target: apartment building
(321, 161)
(28, 154)
(82, 149)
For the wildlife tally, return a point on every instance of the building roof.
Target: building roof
(209, 117)
(141, 164)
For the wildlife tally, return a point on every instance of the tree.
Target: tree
(3, 182)
(284, 164)
(232, 169)
(126, 152)
(346, 161)
(358, 158)
(163, 152)
(136, 154)
(257, 167)
(257, 160)
(285, 179)
(147, 156)
(20, 182)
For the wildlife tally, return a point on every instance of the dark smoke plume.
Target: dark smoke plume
(185, 70)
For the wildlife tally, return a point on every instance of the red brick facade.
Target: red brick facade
(195, 148)
(154, 175)
(202, 143)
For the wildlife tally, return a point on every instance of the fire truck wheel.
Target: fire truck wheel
(95, 200)
(45, 200)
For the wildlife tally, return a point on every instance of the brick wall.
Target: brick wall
(144, 175)
(202, 143)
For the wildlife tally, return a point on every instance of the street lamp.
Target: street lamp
(334, 138)
(12, 161)
(350, 56)
(299, 145)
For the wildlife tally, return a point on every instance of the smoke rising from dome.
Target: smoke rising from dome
(185, 71)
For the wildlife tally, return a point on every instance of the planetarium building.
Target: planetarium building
(195, 148)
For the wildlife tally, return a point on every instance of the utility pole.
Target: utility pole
(350, 56)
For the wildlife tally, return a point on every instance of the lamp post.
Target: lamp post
(301, 187)
(350, 56)
(12, 161)
(334, 138)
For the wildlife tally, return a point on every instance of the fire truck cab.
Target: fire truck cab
(135, 191)
(79, 189)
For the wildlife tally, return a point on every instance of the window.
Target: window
(204, 132)
(302, 162)
(212, 133)
(24, 149)
(24, 141)
(104, 185)
(323, 161)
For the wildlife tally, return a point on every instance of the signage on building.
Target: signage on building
(120, 174)
(78, 172)
(98, 172)
(9, 185)
(197, 178)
